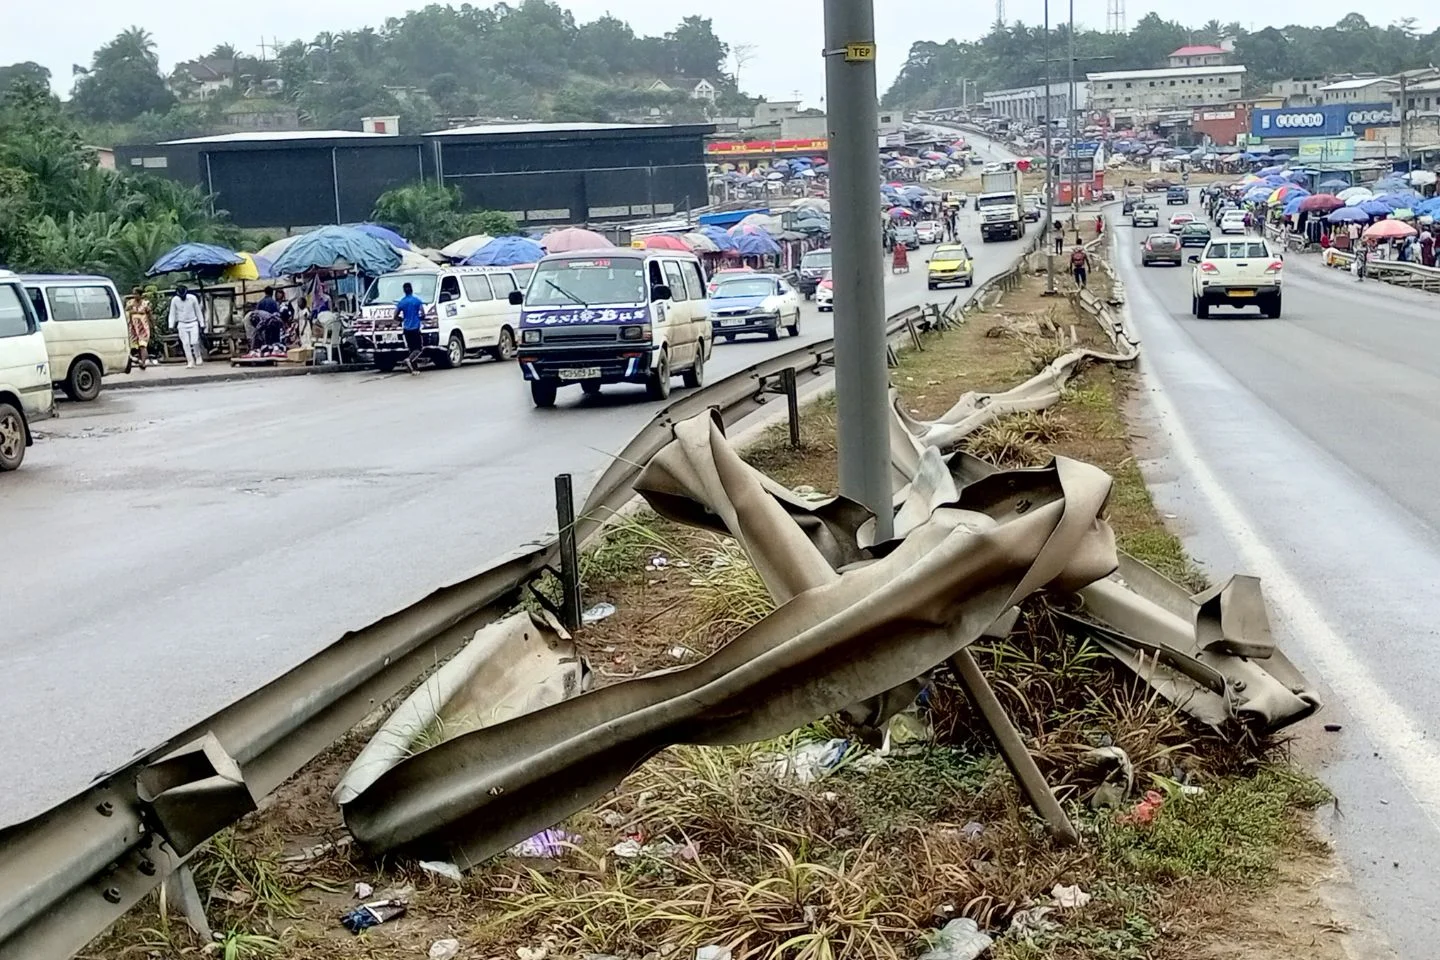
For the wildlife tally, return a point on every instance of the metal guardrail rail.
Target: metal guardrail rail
(69, 873)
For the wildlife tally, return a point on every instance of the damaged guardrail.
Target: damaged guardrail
(69, 873)
(859, 628)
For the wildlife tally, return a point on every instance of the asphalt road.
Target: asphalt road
(1306, 450)
(171, 549)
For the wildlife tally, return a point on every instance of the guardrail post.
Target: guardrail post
(792, 404)
(178, 889)
(569, 555)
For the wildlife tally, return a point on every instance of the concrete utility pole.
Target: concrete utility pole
(1049, 168)
(862, 380)
(1070, 109)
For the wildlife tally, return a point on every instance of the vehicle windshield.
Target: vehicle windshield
(587, 283)
(998, 200)
(930, 224)
(816, 260)
(391, 287)
(951, 253)
(1238, 250)
(744, 287)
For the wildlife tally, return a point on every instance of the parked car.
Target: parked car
(1145, 216)
(1177, 195)
(1179, 220)
(825, 295)
(26, 394)
(760, 303)
(86, 333)
(1194, 234)
(614, 316)
(950, 263)
(1236, 273)
(468, 313)
(1161, 248)
(814, 266)
(930, 231)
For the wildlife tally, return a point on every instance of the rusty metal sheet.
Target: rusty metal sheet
(842, 635)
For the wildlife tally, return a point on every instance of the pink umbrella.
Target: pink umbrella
(661, 241)
(1388, 230)
(573, 238)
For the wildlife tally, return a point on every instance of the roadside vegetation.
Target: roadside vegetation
(708, 846)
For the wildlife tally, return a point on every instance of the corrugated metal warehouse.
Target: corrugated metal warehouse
(540, 173)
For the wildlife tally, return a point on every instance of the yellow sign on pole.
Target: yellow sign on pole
(860, 52)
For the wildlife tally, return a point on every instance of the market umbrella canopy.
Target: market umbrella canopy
(663, 241)
(1376, 208)
(383, 233)
(700, 243)
(1389, 230)
(507, 252)
(757, 244)
(252, 267)
(1348, 215)
(718, 236)
(574, 238)
(1422, 177)
(272, 251)
(194, 257)
(417, 262)
(1320, 203)
(1349, 192)
(465, 247)
(338, 248)
(1333, 184)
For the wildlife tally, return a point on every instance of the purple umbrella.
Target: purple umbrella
(1348, 215)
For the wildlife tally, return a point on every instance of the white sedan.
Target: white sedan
(1232, 221)
(761, 303)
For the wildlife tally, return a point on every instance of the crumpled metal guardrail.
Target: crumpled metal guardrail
(67, 874)
(858, 627)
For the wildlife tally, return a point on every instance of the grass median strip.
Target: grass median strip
(816, 845)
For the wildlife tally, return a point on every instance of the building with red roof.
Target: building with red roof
(1201, 55)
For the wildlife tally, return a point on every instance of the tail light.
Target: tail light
(1275, 266)
(1208, 267)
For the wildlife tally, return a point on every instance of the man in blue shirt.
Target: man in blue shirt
(409, 311)
(268, 303)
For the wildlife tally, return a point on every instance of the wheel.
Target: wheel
(695, 377)
(729, 337)
(774, 333)
(794, 328)
(1202, 310)
(970, 281)
(454, 352)
(386, 362)
(83, 384)
(543, 392)
(657, 385)
(591, 388)
(1272, 310)
(12, 437)
(1194, 305)
(505, 349)
(933, 286)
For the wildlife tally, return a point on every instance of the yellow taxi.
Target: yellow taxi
(951, 263)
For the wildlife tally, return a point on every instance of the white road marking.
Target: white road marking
(1388, 725)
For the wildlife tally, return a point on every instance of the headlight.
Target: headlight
(530, 336)
(634, 333)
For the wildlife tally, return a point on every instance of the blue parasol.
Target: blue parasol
(506, 252)
(383, 233)
(756, 245)
(195, 258)
(338, 248)
(1348, 215)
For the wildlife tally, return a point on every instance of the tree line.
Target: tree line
(530, 60)
(1017, 54)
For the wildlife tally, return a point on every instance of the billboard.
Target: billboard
(1329, 120)
(1326, 150)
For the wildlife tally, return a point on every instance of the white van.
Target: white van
(85, 330)
(26, 394)
(615, 315)
(468, 313)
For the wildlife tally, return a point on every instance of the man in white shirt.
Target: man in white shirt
(185, 318)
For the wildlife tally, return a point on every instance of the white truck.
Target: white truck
(1001, 215)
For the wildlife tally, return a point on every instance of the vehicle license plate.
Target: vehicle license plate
(733, 323)
(580, 373)
(1242, 293)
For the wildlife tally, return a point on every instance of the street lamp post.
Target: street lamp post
(862, 379)
(1049, 169)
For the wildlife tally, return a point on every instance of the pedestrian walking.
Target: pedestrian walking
(1080, 266)
(1099, 224)
(185, 318)
(1361, 261)
(137, 316)
(409, 310)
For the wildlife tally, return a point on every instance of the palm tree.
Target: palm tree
(224, 51)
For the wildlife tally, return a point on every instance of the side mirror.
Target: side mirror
(1194, 258)
(516, 298)
(660, 292)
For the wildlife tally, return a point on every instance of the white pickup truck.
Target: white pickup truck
(1236, 273)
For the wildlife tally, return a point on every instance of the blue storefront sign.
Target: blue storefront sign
(1330, 120)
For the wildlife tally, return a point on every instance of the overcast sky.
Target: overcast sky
(787, 35)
